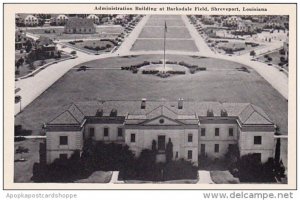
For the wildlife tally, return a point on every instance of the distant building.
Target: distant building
(61, 19)
(232, 21)
(45, 47)
(194, 128)
(95, 18)
(31, 20)
(80, 26)
(20, 39)
(246, 26)
(26, 20)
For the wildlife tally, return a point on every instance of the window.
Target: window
(63, 140)
(92, 131)
(106, 132)
(190, 137)
(217, 148)
(202, 131)
(217, 131)
(120, 132)
(230, 132)
(161, 144)
(190, 154)
(202, 149)
(63, 156)
(132, 137)
(257, 139)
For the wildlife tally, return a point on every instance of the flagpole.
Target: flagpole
(165, 46)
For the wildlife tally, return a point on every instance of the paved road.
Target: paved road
(114, 178)
(204, 177)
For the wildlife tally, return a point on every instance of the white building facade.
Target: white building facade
(194, 128)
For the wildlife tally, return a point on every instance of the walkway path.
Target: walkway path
(204, 177)
(114, 178)
(130, 40)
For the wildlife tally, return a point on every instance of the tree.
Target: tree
(18, 99)
(154, 149)
(28, 45)
(169, 151)
(59, 54)
(108, 46)
(252, 53)
(21, 150)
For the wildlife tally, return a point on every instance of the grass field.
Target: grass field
(221, 82)
(93, 44)
(158, 32)
(275, 58)
(161, 22)
(165, 17)
(158, 45)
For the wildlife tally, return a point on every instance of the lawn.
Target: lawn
(158, 45)
(94, 44)
(158, 32)
(220, 82)
(161, 22)
(235, 44)
(223, 177)
(23, 170)
(275, 58)
(165, 17)
(25, 69)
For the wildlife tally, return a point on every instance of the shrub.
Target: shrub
(19, 139)
(176, 72)
(110, 40)
(157, 62)
(180, 169)
(171, 62)
(19, 131)
(150, 71)
(250, 169)
(73, 52)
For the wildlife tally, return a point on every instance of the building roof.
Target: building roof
(44, 41)
(92, 16)
(246, 113)
(73, 115)
(252, 114)
(79, 23)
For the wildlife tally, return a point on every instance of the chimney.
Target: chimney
(180, 103)
(114, 113)
(224, 113)
(210, 113)
(99, 113)
(143, 103)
